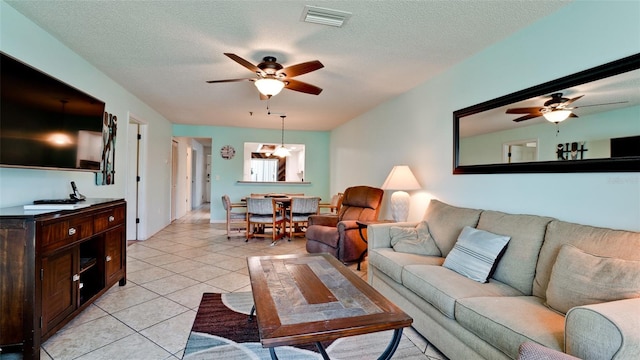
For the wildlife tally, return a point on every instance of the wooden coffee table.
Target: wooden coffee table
(310, 298)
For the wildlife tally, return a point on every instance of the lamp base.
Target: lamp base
(400, 206)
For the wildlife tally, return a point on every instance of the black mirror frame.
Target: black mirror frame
(629, 164)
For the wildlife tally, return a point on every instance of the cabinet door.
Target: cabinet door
(115, 243)
(16, 264)
(59, 287)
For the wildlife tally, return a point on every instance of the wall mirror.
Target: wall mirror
(262, 165)
(517, 133)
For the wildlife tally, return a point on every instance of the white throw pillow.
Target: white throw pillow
(416, 240)
(475, 253)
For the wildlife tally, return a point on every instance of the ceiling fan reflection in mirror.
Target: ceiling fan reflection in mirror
(555, 110)
(272, 77)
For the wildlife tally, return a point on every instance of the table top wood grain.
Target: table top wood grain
(306, 298)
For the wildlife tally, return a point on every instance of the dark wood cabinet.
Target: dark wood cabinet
(114, 255)
(59, 288)
(53, 264)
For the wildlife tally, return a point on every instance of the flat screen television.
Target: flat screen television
(45, 123)
(626, 146)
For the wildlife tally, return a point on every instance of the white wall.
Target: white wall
(579, 36)
(22, 39)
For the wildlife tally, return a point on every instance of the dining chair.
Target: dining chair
(297, 215)
(334, 205)
(236, 220)
(262, 214)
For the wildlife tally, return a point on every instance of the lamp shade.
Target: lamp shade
(282, 151)
(557, 115)
(401, 178)
(269, 87)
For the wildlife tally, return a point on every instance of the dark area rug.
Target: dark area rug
(216, 318)
(221, 328)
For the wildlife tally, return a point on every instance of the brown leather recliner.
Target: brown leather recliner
(338, 234)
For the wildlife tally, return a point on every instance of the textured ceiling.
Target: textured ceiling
(164, 51)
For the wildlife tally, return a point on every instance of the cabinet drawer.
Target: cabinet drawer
(108, 219)
(60, 233)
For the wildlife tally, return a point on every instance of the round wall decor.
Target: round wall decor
(227, 152)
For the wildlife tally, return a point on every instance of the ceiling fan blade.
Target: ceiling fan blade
(525, 110)
(302, 87)
(244, 62)
(228, 80)
(564, 104)
(526, 117)
(611, 103)
(302, 68)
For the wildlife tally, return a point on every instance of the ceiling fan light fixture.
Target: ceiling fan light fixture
(557, 116)
(282, 151)
(269, 87)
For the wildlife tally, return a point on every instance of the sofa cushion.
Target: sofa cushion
(579, 278)
(475, 253)
(507, 322)
(517, 266)
(593, 240)
(446, 223)
(392, 262)
(442, 287)
(414, 240)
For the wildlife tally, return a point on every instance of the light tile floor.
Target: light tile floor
(151, 317)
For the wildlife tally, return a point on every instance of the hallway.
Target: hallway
(200, 215)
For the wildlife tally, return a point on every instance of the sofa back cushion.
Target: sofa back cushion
(517, 267)
(446, 222)
(593, 240)
(579, 278)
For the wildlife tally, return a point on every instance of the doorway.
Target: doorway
(196, 200)
(190, 189)
(520, 151)
(174, 178)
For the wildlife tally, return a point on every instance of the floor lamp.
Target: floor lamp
(400, 178)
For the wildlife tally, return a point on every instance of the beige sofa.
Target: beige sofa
(526, 297)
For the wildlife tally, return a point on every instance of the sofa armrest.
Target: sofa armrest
(608, 330)
(378, 234)
(534, 351)
(324, 220)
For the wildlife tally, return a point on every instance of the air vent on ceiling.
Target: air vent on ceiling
(324, 16)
